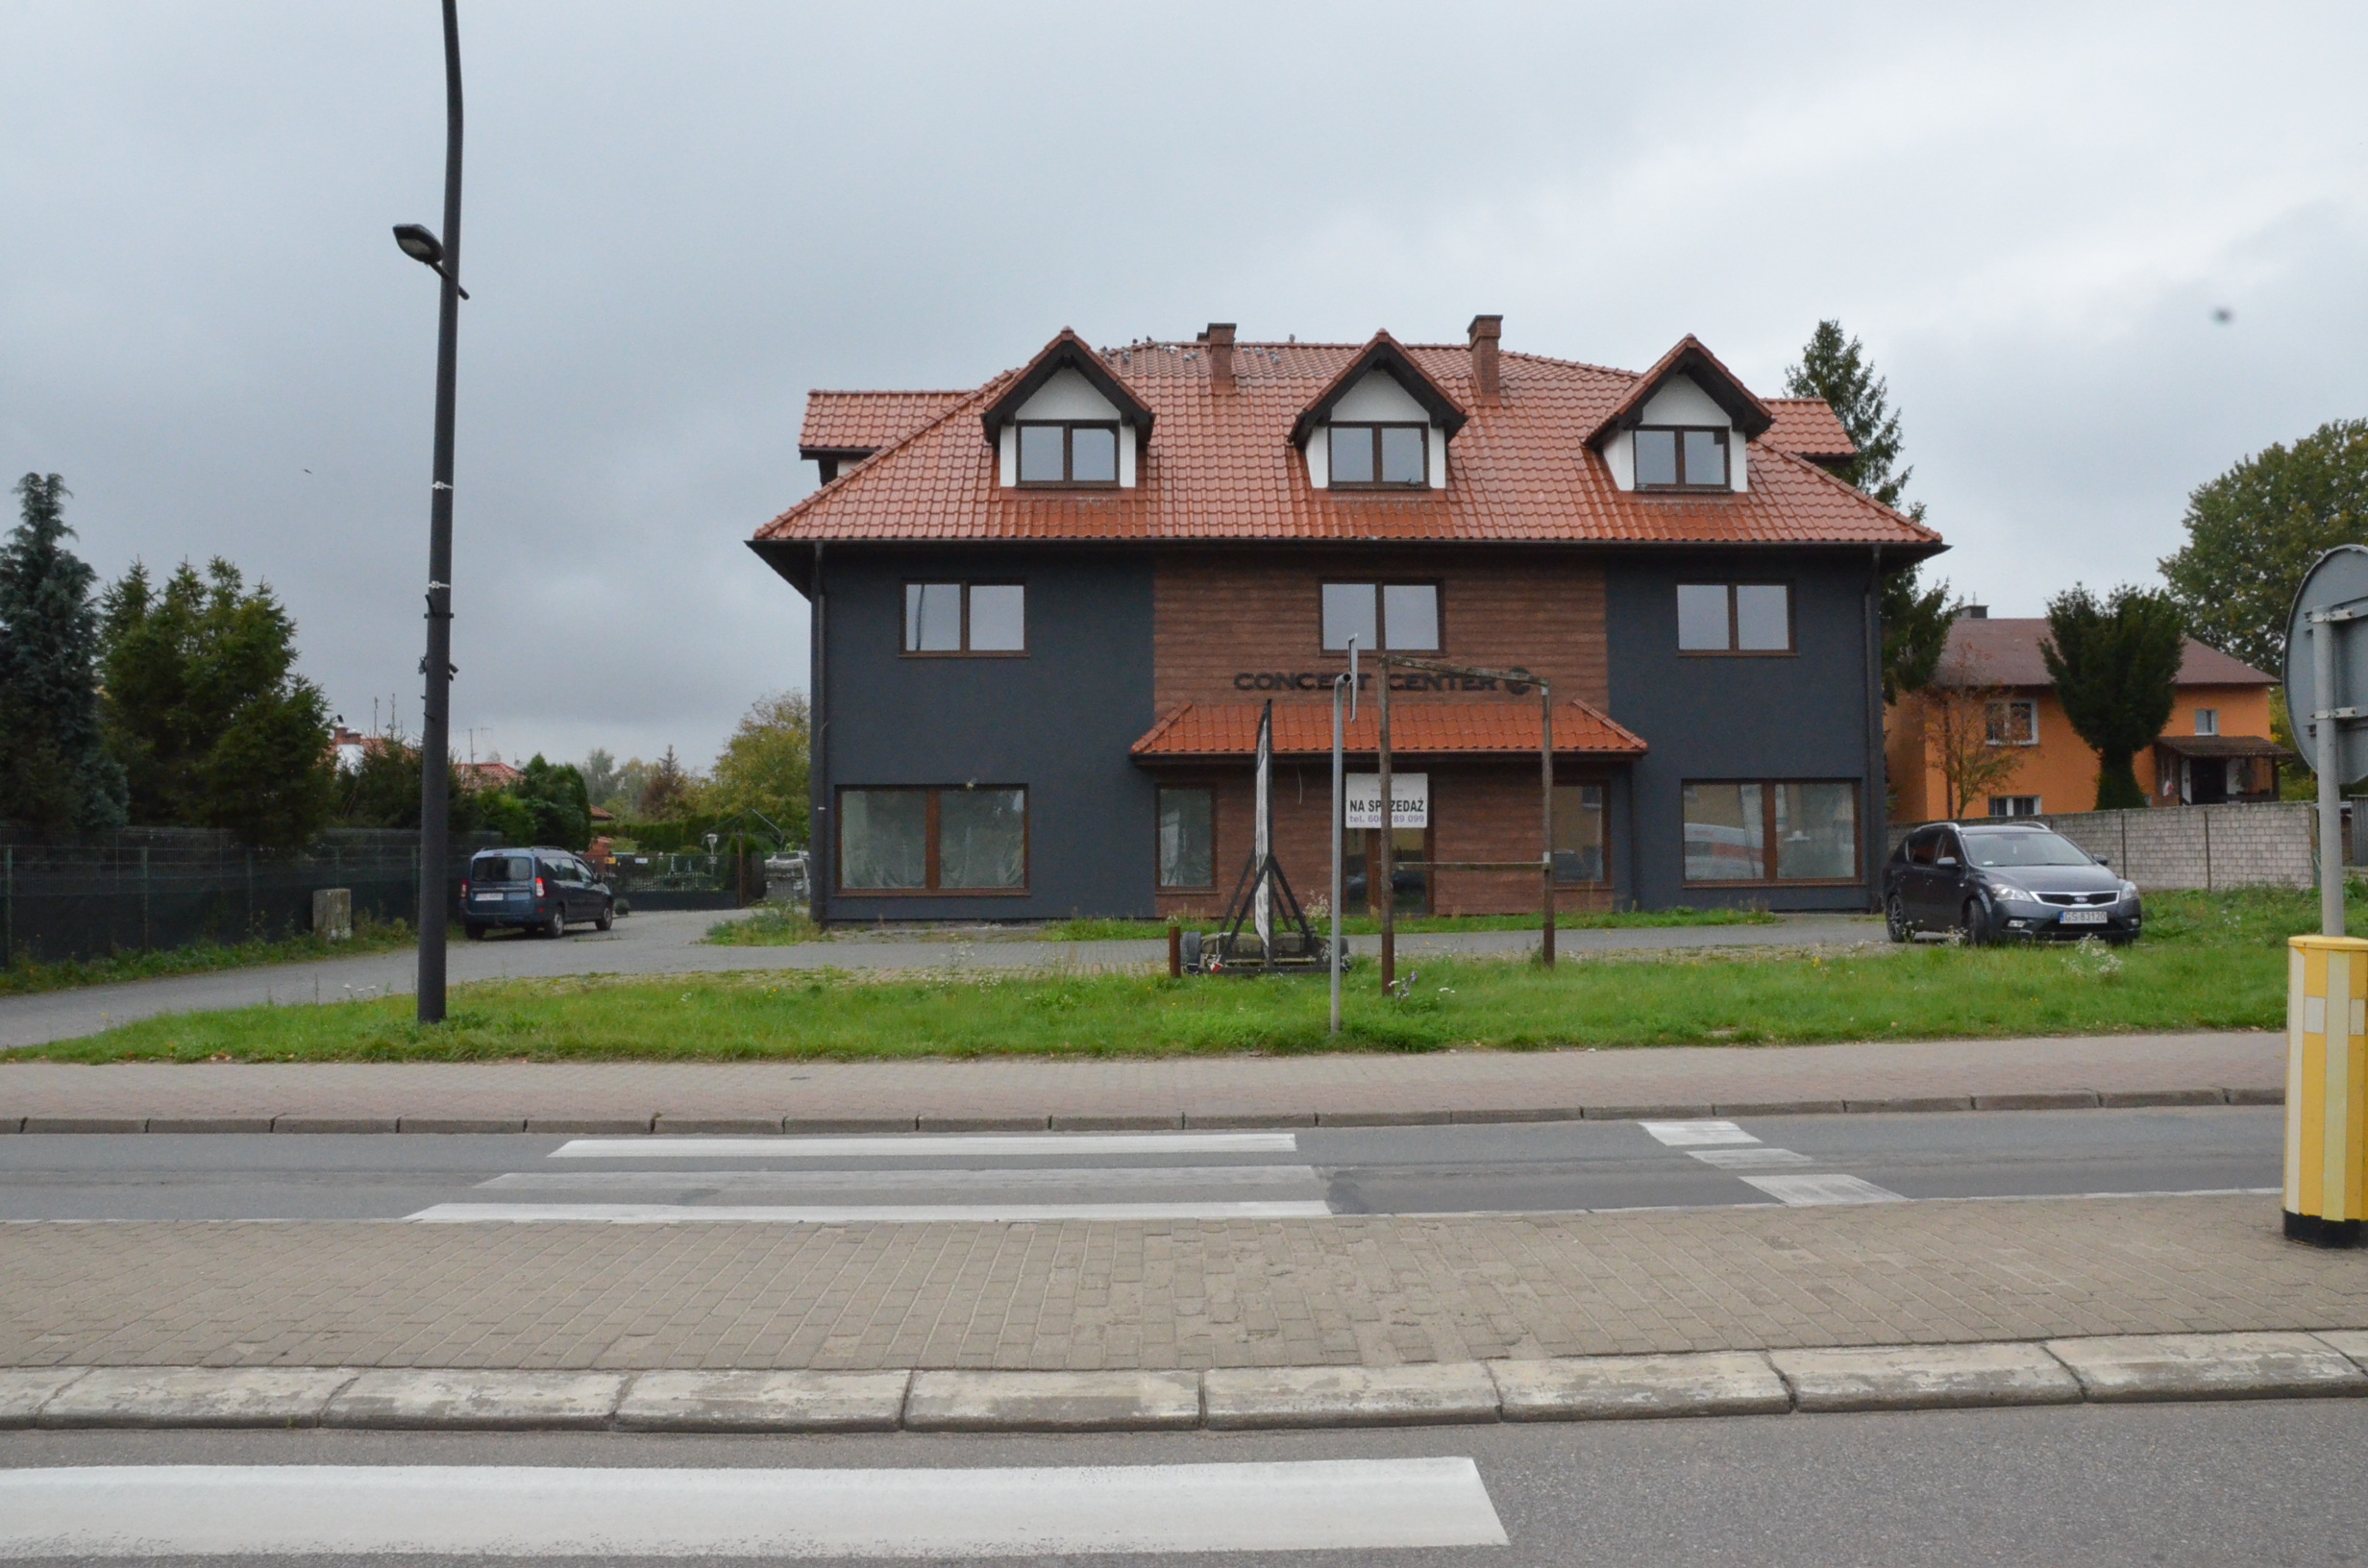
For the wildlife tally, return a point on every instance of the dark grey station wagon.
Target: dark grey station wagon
(1996, 881)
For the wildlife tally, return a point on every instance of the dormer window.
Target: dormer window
(1681, 457)
(1381, 456)
(1069, 453)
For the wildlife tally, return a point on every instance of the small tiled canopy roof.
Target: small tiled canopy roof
(2224, 746)
(1304, 729)
(1221, 469)
(2005, 652)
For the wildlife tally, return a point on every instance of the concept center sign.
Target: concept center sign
(1410, 805)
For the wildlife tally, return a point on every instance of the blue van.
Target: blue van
(538, 890)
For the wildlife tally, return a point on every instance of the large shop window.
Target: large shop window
(1380, 457)
(1187, 838)
(1402, 616)
(1070, 455)
(1578, 833)
(965, 618)
(1771, 832)
(1734, 618)
(955, 840)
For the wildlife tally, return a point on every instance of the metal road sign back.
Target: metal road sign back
(2336, 588)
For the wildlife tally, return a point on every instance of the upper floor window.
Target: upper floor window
(1401, 616)
(965, 618)
(1069, 452)
(2208, 721)
(2014, 721)
(1381, 456)
(1734, 618)
(1681, 457)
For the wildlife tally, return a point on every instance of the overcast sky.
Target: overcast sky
(681, 217)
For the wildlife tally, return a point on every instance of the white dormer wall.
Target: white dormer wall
(1376, 399)
(1681, 401)
(1066, 396)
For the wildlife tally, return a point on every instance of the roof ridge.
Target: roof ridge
(888, 392)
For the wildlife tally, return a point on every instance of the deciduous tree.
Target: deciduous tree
(1915, 617)
(2255, 531)
(2115, 665)
(1961, 707)
(55, 772)
(765, 766)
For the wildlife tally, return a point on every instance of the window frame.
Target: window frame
(1159, 871)
(2010, 814)
(1726, 448)
(1069, 429)
(965, 651)
(1603, 850)
(1374, 427)
(1735, 622)
(931, 870)
(2213, 715)
(2029, 704)
(1769, 848)
(1381, 615)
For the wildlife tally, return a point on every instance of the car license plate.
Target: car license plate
(2083, 917)
(489, 897)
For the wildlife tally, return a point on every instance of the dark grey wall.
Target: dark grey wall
(1802, 717)
(1058, 720)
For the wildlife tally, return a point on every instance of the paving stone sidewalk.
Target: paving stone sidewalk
(1341, 1291)
(1211, 1091)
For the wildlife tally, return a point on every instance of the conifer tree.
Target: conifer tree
(1915, 618)
(55, 772)
(2115, 665)
(207, 713)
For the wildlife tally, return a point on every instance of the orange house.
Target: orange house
(1993, 694)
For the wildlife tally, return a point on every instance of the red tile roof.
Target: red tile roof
(1221, 468)
(2005, 652)
(868, 421)
(1808, 428)
(1720, 384)
(1230, 729)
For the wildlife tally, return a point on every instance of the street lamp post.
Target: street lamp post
(443, 256)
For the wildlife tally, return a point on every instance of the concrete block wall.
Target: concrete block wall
(2270, 844)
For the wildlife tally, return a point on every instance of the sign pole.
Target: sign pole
(1384, 877)
(1340, 821)
(1545, 858)
(2329, 766)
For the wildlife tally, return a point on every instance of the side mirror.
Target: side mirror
(2103, 860)
(1948, 862)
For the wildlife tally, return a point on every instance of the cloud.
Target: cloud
(681, 218)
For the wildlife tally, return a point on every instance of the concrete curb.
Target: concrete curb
(2111, 1369)
(2078, 1099)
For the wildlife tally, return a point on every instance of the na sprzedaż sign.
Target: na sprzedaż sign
(1410, 804)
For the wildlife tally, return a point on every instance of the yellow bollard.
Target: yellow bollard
(2327, 1089)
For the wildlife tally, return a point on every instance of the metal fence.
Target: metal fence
(146, 889)
(680, 881)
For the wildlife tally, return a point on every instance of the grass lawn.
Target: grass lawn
(2211, 962)
(370, 936)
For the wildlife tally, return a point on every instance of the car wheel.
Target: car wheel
(556, 926)
(1896, 922)
(606, 919)
(474, 933)
(1977, 927)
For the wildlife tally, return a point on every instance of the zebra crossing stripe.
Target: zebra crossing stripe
(859, 1213)
(905, 1146)
(266, 1511)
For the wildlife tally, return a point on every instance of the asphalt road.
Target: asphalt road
(670, 941)
(1542, 1166)
(2257, 1484)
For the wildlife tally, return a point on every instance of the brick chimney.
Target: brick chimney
(1485, 331)
(1219, 339)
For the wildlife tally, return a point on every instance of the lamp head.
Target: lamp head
(420, 244)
